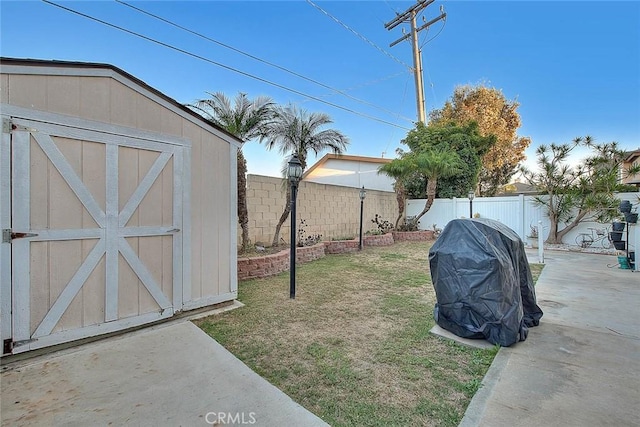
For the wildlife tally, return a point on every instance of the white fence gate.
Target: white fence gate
(91, 216)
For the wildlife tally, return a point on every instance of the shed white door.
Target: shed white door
(103, 215)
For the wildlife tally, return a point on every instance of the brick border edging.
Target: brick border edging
(378, 240)
(412, 236)
(270, 265)
(341, 246)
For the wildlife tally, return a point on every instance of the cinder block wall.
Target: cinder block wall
(330, 210)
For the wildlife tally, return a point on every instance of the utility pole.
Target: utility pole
(410, 15)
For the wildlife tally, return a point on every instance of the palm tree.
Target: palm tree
(399, 171)
(296, 131)
(432, 164)
(246, 119)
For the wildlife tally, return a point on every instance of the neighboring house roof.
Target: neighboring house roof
(632, 156)
(30, 64)
(518, 188)
(320, 164)
(350, 171)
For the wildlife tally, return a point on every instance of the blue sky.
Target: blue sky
(574, 66)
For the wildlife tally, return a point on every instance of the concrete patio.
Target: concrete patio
(168, 375)
(581, 366)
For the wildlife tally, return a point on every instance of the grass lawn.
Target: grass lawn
(354, 346)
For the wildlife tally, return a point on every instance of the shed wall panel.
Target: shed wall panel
(28, 91)
(128, 284)
(68, 104)
(148, 114)
(95, 98)
(93, 293)
(197, 208)
(40, 278)
(170, 123)
(210, 200)
(93, 176)
(4, 88)
(40, 181)
(65, 258)
(123, 105)
(128, 173)
(65, 210)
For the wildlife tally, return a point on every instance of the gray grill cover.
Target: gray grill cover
(483, 282)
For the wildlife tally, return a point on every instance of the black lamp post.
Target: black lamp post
(471, 195)
(294, 173)
(363, 194)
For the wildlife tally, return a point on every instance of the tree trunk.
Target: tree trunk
(401, 198)
(243, 214)
(302, 158)
(431, 195)
(283, 217)
(556, 236)
(553, 230)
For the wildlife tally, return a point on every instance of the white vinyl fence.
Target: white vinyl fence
(517, 212)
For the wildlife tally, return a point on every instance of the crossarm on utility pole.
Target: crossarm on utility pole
(410, 16)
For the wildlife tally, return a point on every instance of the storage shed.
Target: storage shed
(117, 204)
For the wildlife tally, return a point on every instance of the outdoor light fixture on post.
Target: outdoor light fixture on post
(471, 195)
(363, 194)
(294, 173)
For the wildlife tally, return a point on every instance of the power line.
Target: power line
(404, 96)
(271, 64)
(359, 35)
(372, 82)
(185, 52)
(391, 7)
(444, 24)
(396, 115)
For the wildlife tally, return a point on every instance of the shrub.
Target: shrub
(303, 239)
(383, 225)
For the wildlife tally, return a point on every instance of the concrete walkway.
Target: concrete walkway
(168, 375)
(581, 366)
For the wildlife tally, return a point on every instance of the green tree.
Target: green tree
(430, 164)
(495, 115)
(571, 195)
(296, 131)
(399, 171)
(464, 140)
(246, 119)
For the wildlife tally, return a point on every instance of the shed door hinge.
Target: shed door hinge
(9, 344)
(7, 126)
(8, 236)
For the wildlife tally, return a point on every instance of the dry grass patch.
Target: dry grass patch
(354, 346)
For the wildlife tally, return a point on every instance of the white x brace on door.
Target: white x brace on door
(96, 228)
